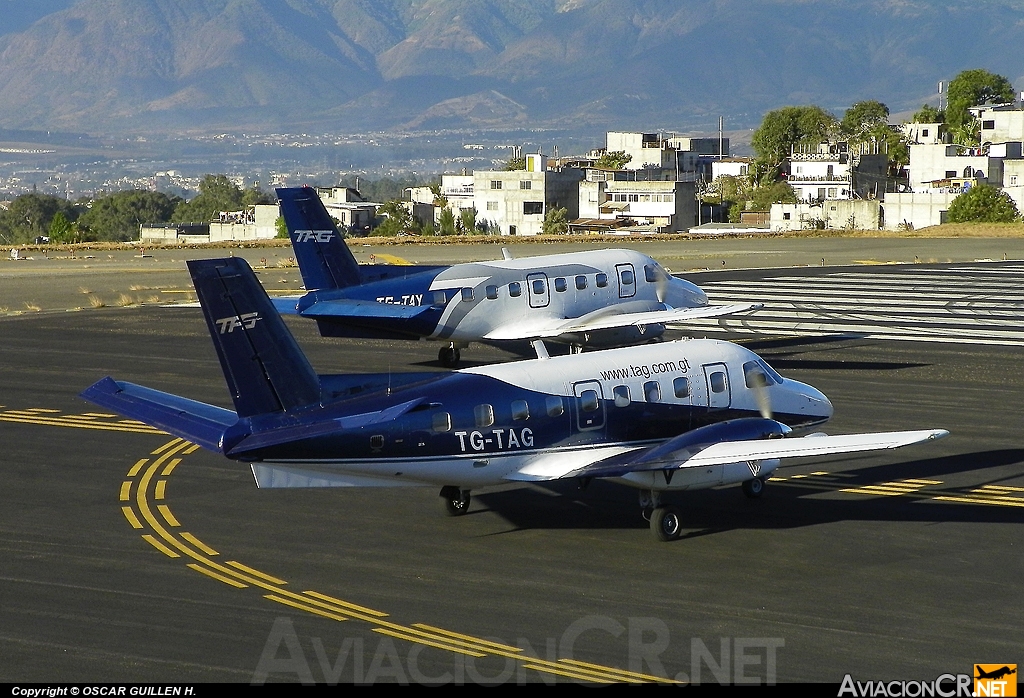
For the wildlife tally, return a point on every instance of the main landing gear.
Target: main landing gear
(666, 524)
(449, 356)
(754, 488)
(454, 501)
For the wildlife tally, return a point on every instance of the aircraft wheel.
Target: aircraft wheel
(753, 488)
(449, 357)
(666, 525)
(454, 501)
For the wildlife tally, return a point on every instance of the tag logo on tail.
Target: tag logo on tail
(313, 235)
(227, 325)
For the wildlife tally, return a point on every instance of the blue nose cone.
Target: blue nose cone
(683, 294)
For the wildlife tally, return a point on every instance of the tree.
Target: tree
(31, 215)
(972, 88)
(983, 203)
(467, 221)
(217, 193)
(515, 164)
(117, 217)
(398, 219)
(928, 114)
(864, 118)
(762, 198)
(556, 221)
(439, 198)
(446, 222)
(783, 129)
(613, 160)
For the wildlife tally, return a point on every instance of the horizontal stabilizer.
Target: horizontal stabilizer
(347, 308)
(286, 305)
(187, 419)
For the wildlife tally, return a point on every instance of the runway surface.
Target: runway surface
(130, 557)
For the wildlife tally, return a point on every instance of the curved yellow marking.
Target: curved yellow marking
(255, 573)
(346, 604)
(168, 516)
(129, 514)
(159, 546)
(198, 543)
(161, 485)
(220, 578)
(303, 607)
(241, 576)
(126, 487)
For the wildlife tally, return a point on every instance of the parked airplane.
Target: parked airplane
(597, 298)
(680, 415)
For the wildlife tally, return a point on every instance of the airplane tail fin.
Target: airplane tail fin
(324, 259)
(263, 365)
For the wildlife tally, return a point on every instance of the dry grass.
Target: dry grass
(32, 307)
(287, 262)
(96, 302)
(84, 290)
(124, 300)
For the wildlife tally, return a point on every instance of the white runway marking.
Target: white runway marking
(978, 303)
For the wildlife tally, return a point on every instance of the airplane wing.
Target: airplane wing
(723, 453)
(551, 328)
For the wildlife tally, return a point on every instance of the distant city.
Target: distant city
(73, 166)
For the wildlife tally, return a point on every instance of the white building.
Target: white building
(253, 223)
(1001, 123)
(854, 214)
(932, 167)
(515, 201)
(658, 205)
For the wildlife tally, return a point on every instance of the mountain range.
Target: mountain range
(138, 66)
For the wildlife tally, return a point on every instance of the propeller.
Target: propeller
(761, 397)
(661, 285)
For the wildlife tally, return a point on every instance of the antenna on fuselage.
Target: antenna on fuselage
(506, 254)
(541, 349)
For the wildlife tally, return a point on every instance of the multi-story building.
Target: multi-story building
(655, 205)
(515, 201)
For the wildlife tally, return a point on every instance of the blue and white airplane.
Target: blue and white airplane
(596, 298)
(682, 415)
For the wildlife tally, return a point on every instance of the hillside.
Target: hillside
(106, 66)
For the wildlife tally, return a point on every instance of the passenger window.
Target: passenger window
(538, 287)
(652, 391)
(602, 280)
(581, 282)
(554, 406)
(650, 273)
(588, 401)
(621, 394)
(560, 285)
(483, 415)
(441, 421)
(718, 382)
(627, 277)
(681, 387)
(515, 289)
(467, 294)
(520, 410)
(492, 292)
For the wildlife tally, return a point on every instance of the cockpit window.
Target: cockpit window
(757, 374)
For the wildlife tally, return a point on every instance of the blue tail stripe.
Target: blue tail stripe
(265, 369)
(325, 261)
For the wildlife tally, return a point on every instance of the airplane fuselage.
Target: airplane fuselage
(511, 299)
(481, 426)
